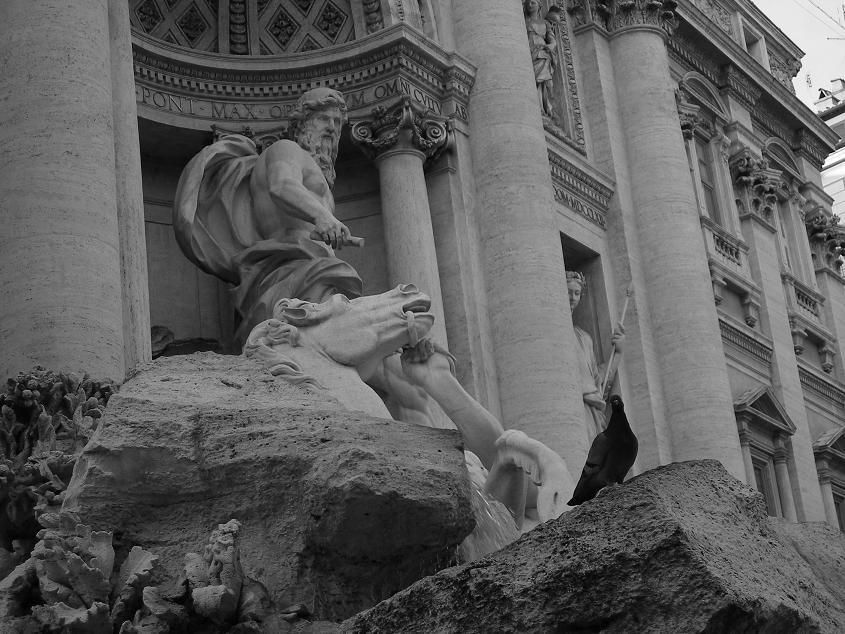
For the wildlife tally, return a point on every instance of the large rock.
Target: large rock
(682, 548)
(339, 509)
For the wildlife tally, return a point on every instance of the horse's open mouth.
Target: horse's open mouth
(418, 320)
(417, 306)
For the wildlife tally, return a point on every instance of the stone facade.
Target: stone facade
(678, 163)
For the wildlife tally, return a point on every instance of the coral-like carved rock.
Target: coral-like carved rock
(45, 420)
(217, 586)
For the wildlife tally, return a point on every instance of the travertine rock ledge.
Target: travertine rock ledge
(339, 509)
(682, 548)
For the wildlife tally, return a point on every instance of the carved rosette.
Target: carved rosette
(406, 125)
(615, 15)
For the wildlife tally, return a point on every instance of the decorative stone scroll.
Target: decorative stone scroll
(827, 240)
(405, 123)
(758, 183)
(614, 15)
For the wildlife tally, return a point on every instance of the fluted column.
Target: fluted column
(674, 263)
(60, 271)
(787, 502)
(400, 140)
(534, 342)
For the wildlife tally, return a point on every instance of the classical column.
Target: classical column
(60, 269)
(130, 195)
(827, 493)
(674, 262)
(534, 342)
(787, 503)
(400, 140)
(745, 447)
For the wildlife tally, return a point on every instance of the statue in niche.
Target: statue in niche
(590, 372)
(542, 44)
(248, 218)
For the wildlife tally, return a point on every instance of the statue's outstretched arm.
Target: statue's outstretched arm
(432, 371)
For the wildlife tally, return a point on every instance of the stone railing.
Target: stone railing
(802, 299)
(727, 249)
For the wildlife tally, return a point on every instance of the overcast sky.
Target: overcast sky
(809, 23)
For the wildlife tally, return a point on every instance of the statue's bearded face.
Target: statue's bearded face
(319, 135)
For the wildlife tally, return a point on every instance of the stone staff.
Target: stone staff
(606, 383)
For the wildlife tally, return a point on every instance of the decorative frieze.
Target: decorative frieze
(579, 191)
(738, 85)
(828, 388)
(399, 63)
(784, 69)
(809, 146)
(373, 16)
(717, 13)
(745, 342)
(684, 51)
(615, 15)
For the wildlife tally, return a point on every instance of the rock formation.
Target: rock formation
(339, 509)
(682, 548)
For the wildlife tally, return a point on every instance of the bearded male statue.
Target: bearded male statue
(247, 218)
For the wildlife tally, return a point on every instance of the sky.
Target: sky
(811, 24)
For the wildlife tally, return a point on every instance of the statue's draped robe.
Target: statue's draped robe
(590, 377)
(217, 229)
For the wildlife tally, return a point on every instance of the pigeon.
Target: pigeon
(611, 455)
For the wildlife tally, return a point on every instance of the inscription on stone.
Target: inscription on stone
(258, 111)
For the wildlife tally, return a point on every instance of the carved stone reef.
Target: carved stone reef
(681, 548)
(337, 509)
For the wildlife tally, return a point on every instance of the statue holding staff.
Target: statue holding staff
(594, 378)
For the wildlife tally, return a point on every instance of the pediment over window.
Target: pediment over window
(698, 87)
(761, 405)
(831, 443)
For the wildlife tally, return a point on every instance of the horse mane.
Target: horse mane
(267, 338)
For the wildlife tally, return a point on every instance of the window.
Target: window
(839, 505)
(707, 179)
(767, 484)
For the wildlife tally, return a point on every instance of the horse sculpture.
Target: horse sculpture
(339, 344)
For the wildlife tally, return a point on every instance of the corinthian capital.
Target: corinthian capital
(614, 15)
(404, 126)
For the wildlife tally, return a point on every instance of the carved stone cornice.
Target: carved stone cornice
(616, 15)
(405, 125)
(738, 85)
(579, 191)
(750, 345)
(824, 386)
(194, 89)
(808, 146)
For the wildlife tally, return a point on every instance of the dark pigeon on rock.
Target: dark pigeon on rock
(611, 455)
